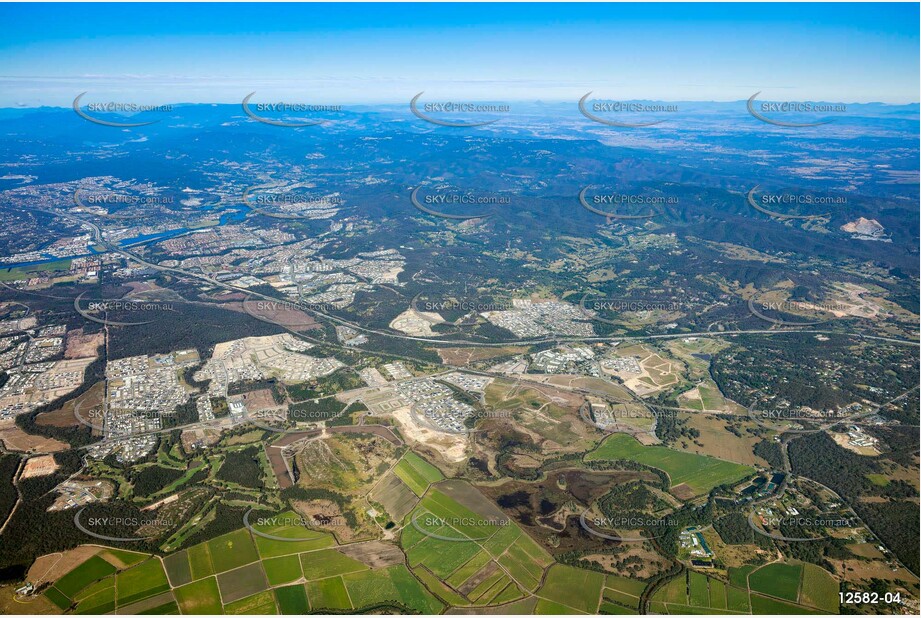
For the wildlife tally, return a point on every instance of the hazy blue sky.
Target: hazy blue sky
(350, 53)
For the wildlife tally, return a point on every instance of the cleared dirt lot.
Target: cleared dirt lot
(79, 345)
(64, 416)
(375, 554)
(39, 466)
(465, 356)
(396, 497)
(54, 566)
(15, 439)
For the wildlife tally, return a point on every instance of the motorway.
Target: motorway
(97, 233)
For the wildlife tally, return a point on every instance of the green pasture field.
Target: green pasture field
(232, 550)
(616, 596)
(101, 602)
(122, 558)
(819, 589)
(83, 575)
(464, 572)
(201, 597)
(551, 608)
(417, 473)
(392, 583)
(328, 593)
(141, 581)
(439, 588)
(777, 580)
(633, 587)
(699, 472)
(292, 600)
(576, 588)
(57, 597)
(328, 563)
(699, 590)
(200, 561)
(765, 605)
(282, 570)
(261, 603)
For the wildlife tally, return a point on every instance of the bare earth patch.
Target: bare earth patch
(453, 447)
(39, 466)
(79, 345)
(52, 567)
(15, 439)
(375, 554)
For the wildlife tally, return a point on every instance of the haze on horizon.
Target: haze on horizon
(383, 54)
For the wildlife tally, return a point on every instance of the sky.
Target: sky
(386, 53)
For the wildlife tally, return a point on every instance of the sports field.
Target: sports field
(699, 472)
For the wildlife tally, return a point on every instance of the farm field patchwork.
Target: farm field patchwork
(93, 569)
(328, 563)
(232, 550)
(141, 581)
(395, 583)
(572, 587)
(697, 593)
(417, 473)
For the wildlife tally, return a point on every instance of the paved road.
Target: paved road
(460, 342)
